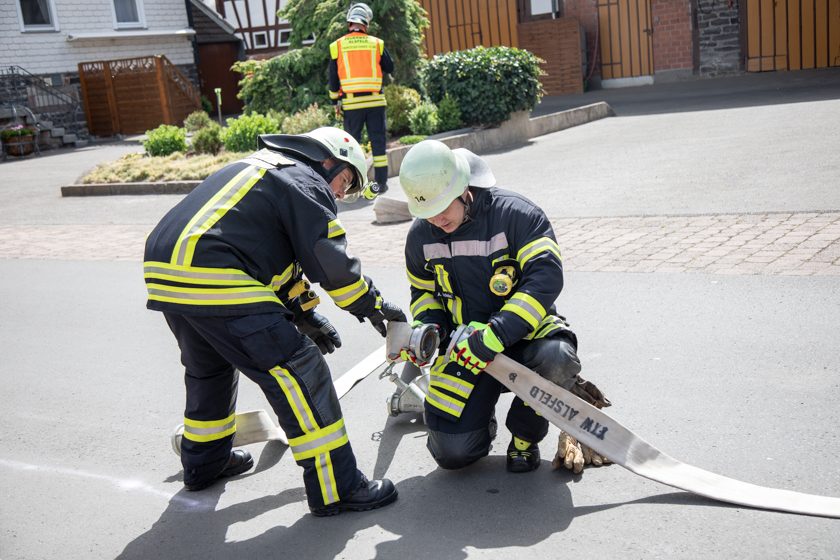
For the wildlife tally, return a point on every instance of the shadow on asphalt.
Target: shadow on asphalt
(435, 517)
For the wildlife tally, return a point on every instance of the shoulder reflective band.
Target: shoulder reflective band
(609, 438)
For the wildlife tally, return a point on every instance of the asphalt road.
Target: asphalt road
(736, 374)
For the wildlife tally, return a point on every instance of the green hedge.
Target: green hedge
(241, 134)
(164, 140)
(488, 84)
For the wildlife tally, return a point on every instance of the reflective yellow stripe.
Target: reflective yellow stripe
(347, 295)
(380, 161)
(526, 307)
(319, 442)
(334, 229)
(210, 296)
(534, 248)
(197, 275)
(454, 304)
(209, 430)
(444, 402)
(424, 302)
(364, 102)
(451, 383)
(215, 208)
(316, 442)
(420, 283)
(335, 95)
(279, 280)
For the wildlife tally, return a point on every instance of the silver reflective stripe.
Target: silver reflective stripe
(210, 295)
(323, 463)
(455, 409)
(209, 431)
(472, 248)
(319, 442)
(294, 396)
(351, 295)
(453, 385)
(193, 275)
(544, 245)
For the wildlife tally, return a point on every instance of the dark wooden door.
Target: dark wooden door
(214, 68)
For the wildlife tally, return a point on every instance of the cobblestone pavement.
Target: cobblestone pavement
(800, 244)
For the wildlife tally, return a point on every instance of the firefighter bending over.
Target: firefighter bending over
(486, 257)
(226, 267)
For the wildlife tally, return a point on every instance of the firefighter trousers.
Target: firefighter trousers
(457, 442)
(374, 119)
(295, 379)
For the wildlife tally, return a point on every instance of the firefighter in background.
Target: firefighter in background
(486, 257)
(358, 62)
(226, 267)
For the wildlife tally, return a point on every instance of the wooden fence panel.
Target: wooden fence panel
(456, 25)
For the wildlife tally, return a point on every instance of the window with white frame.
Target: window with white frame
(129, 13)
(37, 15)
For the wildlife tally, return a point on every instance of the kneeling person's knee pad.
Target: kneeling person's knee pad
(456, 451)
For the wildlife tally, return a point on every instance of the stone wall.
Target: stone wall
(719, 28)
(558, 42)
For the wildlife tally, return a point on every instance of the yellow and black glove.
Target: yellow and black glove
(478, 349)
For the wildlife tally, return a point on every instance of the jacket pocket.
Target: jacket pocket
(268, 339)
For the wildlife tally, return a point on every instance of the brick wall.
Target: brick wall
(719, 28)
(672, 42)
(586, 13)
(557, 41)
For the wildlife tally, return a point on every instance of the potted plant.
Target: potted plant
(18, 140)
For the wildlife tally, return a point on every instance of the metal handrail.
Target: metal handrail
(36, 96)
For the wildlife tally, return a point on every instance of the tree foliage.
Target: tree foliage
(294, 80)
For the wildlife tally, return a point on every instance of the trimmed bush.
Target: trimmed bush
(197, 120)
(164, 140)
(449, 115)
(308, 119)
(412, 139)
(423, 120)
(401, 101)
(241, 134)
(488, 84)
(207, 140)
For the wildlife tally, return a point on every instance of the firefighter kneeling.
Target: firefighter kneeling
(486, 257)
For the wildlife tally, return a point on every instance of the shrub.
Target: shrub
(488, 84)
(449, 115)
(197, 120)
(412, 139)
(423, 119)
(207, 140)
(308, 119)
(401, 101)
(206, 105)
(15, 131)
(164, 140)
(241, 134)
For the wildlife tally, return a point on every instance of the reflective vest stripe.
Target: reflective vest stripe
(526, 307)
(420, 283)
(451, 383)
(279, 280)
(210, 296)
(444, 402)
(334, 229)
(197, 275)
(534, 248)
(209, 430)
(453, 303)
(363, 102)
(424, 302)
(212, 212)
(347, 295)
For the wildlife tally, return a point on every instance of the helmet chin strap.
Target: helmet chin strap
(467, 202)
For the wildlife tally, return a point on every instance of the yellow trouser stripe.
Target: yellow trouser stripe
(321, 441)
(364, 102)
(227, 197)
(380, 161)
(209, 430)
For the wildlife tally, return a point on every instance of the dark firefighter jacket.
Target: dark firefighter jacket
(450, 278)
(241, 241)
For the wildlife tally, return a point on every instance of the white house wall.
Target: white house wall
(46, 52)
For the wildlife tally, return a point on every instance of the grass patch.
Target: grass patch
(134, 168)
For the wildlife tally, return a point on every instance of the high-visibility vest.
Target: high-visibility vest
(358, 56)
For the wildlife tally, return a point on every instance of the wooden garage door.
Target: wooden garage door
(625, 28)
(792, 34)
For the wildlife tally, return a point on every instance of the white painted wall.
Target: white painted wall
(48, 52)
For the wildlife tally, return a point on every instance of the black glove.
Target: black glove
(320, 330)
(386, 311)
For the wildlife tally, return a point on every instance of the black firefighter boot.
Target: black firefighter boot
(238, 462)
(370, 494)
(522, 456)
